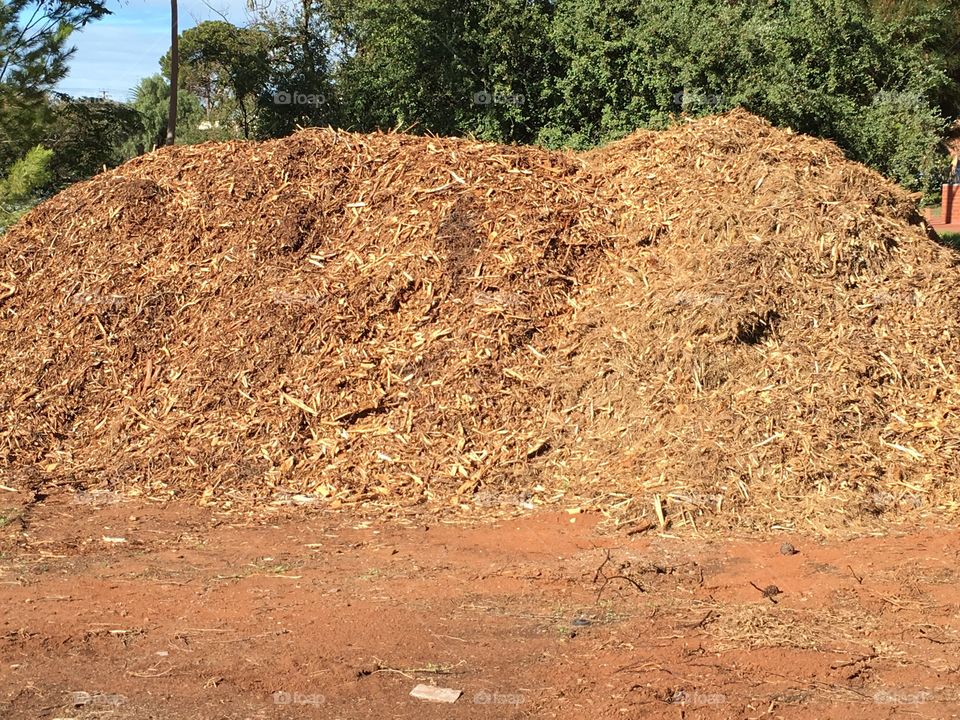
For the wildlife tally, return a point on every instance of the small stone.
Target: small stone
(787, 549)
(436, 694)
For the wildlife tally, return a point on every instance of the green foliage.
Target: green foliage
(227, 68)
(33, 58)
(88, 134)
(298, 89)
(829, 68)
(948, 47)
(151, 101)
(871, 75)
(583, 72)
(445, 66)
(899, 134)
(951, 240)
(19, 189)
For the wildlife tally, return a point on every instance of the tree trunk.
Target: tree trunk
(174, 73)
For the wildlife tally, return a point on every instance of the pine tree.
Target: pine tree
(21, 183)
(33, 58)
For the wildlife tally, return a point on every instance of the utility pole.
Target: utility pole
(174, 73)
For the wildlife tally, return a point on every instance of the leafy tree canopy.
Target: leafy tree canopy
(830, 68)
(33, 58)
(151, 100)
(227, 68)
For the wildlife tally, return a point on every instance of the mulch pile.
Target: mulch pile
(722, 322)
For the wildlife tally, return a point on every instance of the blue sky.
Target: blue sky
(114, 53)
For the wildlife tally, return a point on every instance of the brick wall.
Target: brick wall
(950, 213)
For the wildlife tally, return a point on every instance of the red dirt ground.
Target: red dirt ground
(199, 615)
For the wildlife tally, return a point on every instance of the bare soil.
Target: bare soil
(113, 609)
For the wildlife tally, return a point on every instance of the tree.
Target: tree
(33, 58)
(151, 101)
(947, 44)
(299, 88)
(446, 66)
(88, 134)
(227, 68)
(24, 178)
(824, 67)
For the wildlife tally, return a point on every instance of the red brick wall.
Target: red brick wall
(948, 201)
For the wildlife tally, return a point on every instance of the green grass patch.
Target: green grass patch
(952, 239)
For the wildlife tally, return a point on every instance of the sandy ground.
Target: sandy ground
(116, 609)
